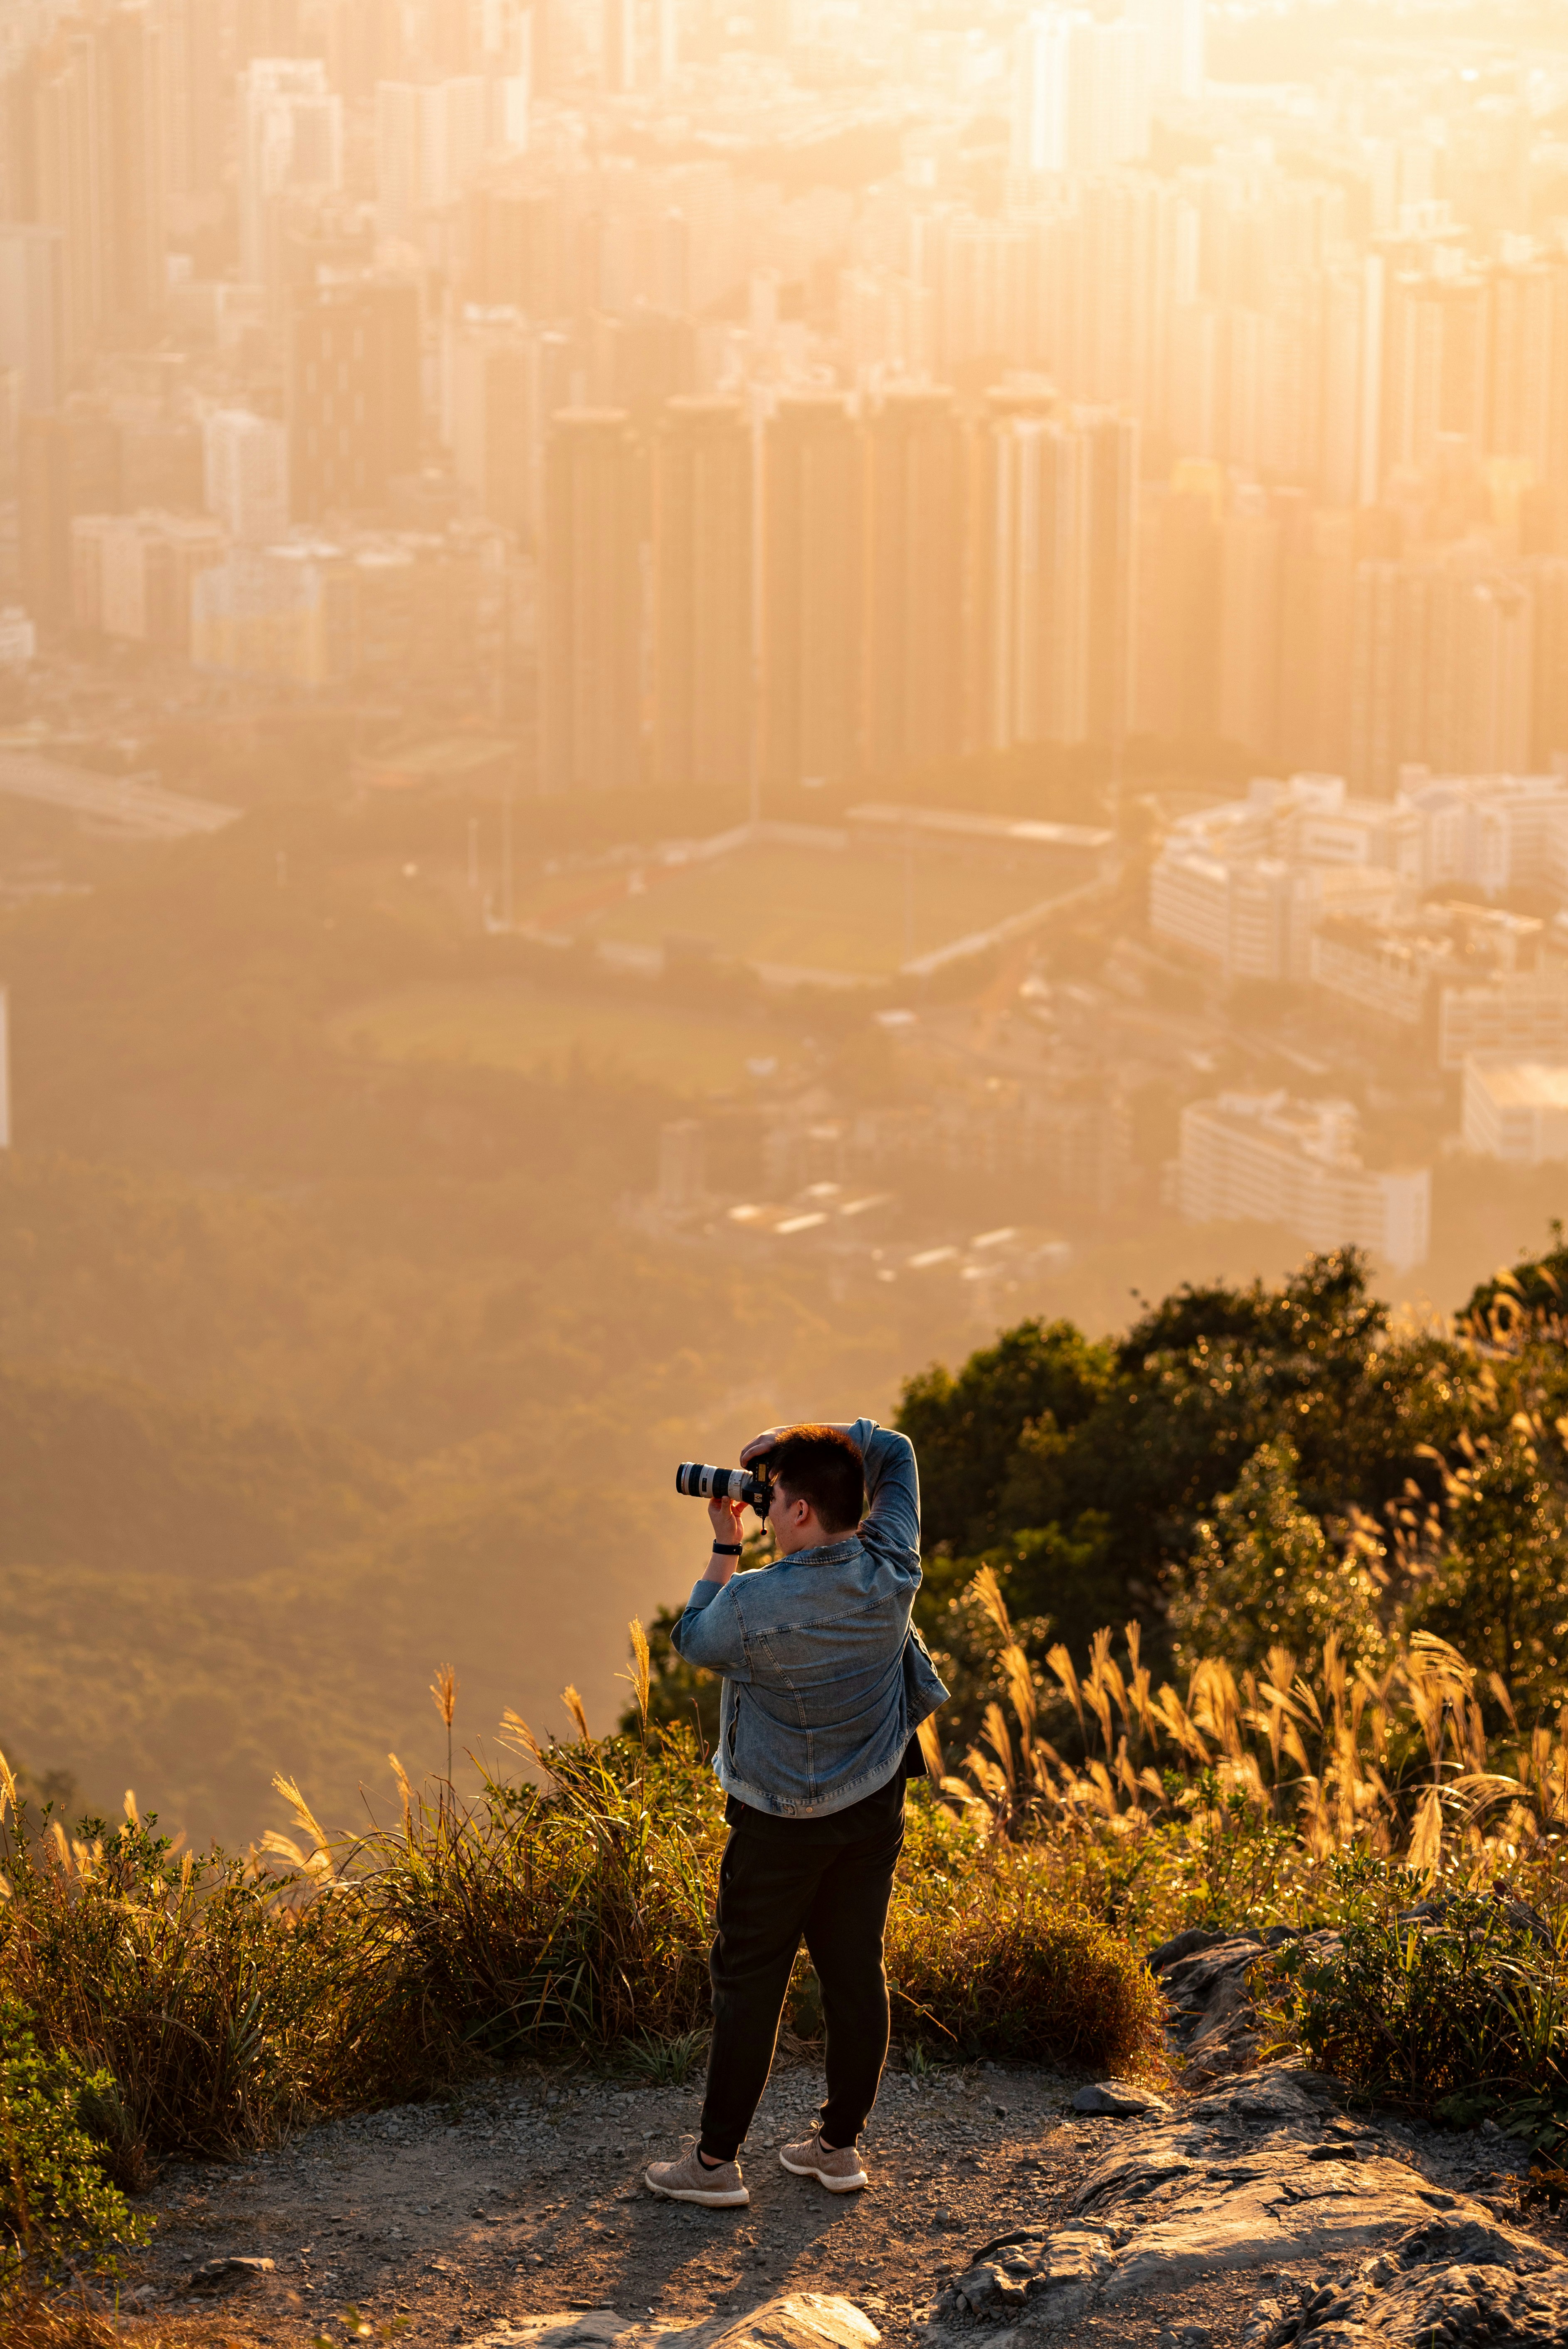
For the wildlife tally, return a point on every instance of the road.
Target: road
(141, 809)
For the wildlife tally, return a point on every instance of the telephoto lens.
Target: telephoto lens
(700, 1482)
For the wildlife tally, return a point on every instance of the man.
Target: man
(825, 1683)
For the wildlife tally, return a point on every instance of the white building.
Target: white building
(1517, 1110)
(245, 461)
(1517, 1015)
(133, 575)
(291, 144)
(1495, 832)
(1081, 92)
(1243, 883)
(280, 612)
(1172, 32)
(433, 139)
(18, 637)
(1266, 1158)
(1252, 916)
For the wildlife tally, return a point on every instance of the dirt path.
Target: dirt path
(528, 2198)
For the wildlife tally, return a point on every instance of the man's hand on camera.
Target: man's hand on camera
(758, 1446)
(725, 1517)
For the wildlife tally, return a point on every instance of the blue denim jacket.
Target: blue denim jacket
(825, 1680)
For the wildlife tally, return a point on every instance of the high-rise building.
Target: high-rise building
(1052, 536)
(197, 110)
(486, 381)
(913, 653)
(1526, 361)
(1249, 599)
(1434, 365)
(1031, 599)
(132, 575)
(99, 162)
(1172, 32)
(244, 464)
(431, 138)
(69, 464)
(590, 637)
(813, 593)
(1178, 602)
(703, 701)
(1080, 94)
(503, 380)
(366, 43)
(290, 147)
(641, 44)
(33, 311)
(352, 386)
(1442, 668)
(1114, 441)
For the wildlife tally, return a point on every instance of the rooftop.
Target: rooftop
(1523, 1085)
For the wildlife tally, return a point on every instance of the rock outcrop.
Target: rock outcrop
(1450, 2282)
(1260, 2172)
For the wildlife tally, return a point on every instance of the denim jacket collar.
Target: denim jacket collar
(832, 1553)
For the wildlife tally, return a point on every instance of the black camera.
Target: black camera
(703, 1484)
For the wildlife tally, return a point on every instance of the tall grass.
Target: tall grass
(564, 1911)
(1239, 1797)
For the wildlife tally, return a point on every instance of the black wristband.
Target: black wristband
(727, 1550)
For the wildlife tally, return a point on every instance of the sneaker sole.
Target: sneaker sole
(729, 2198)
(834, 2184)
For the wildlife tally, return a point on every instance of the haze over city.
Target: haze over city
(695, 703)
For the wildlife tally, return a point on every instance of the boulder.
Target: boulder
(798, 2319)
(220, 2277)
(1118, 2099)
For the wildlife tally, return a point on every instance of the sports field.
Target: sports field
(506, 1024)
(851, 912)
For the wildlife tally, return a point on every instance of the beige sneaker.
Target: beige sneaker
(837, 2166)
(687, 2180)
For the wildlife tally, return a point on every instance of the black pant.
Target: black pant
(830, 1880)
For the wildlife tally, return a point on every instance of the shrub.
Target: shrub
(1263, 1575)
(552, 1919)
(985, 1957)
(1456, 2007)
(56, 2205)
(214, 2006)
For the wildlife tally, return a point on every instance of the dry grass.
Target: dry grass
(69, 2322)
(1281, 1775)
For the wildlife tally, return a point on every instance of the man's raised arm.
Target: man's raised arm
(892, 1480)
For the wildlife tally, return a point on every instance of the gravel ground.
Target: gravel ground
(528, 2198)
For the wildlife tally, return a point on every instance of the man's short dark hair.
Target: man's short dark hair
(819, 1466)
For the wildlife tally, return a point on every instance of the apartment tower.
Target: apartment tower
(702, 601)
(590, 653)
(812, 598)
(914, 577)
